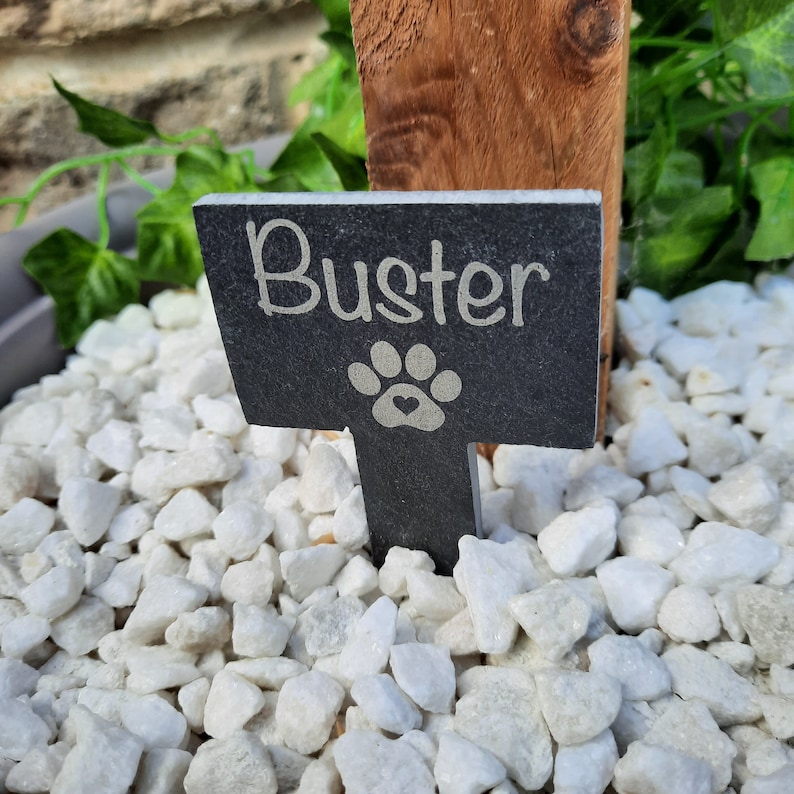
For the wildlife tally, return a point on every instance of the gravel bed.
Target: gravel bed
(187, 603)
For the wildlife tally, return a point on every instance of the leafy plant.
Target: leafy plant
(88, 280)
(709, 164)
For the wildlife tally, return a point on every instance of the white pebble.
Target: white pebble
(275, 443)
(688, 614)
(249, 582)
(116, 445)
(554, 616)
(462, 767)
(384, 704)
(304, 570)
(200, 631)
(21, 729)
(87, 507)
(19, 476)
(576, 542)
(155, 721)
(357, 578)
(231, 702)
(23, 634)
(237, 763)
(748, 496)
(652, 443)
(241, 528)
(490, 574)
(350, 521)
(563, 694)
(219, 415)
(259, 631)
(326, 480)
(55, 593)
(186, 515)
(660, 770)
(367, 649)
(426, 674)
(586, 767)
(642, 675)
(766, 615)
(306, 710)
(634, 589)
(653, 538)
(25, 525)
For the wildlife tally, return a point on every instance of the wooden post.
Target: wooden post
(499, 94)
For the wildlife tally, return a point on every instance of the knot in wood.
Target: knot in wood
(590, 31)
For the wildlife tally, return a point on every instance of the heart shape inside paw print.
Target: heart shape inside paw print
(405, 405)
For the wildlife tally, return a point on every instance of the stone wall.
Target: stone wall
(226, 64)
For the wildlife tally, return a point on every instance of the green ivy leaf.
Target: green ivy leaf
(773, 185)
(315, 84)
(304, 161)
(345, 127)
(86, 282)
(681, 175)
(168, 248)
(673, 234)
(642, 165)
(109, 126)
(766, 53)
(351, 170)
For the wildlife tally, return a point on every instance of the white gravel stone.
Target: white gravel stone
(499, 711)
(33, 426)
(241, 528)
(19, 476)
(698, 675)
(21, 729)
(155, 722)
(105, 757)
(116, 445)
(575, 543)
(576, 705)
(490, 574)
(688, 614)
(259, 631)
(767, 615)
(462, 767)
(16, 678)
(642, 675)
(398, 563)
(23, 634)
(367, 649)
(159, 604)
(200, 631)
(327, 627)
(253, 482)
(249, 582)
(188, 514)
(426, 674)
(192, 697)
(652, 443)
(208, 564)
(369, 762)
(237, 763)
(634, 590)
(693, 489)
(650, 537)
(231, 702)
(586, 767)
(275, 443)
(163, 770)
(120, 588)
(326, 481)
(159, 667)
(357, 578)
(222, 416)
(712, 448)
(54, 593)
(748, 496)
(79, 631)
(384, 704)
(25, 525)
(37, 771)
(602, 482)
(87, 507)
(720, 556)
(689, 728)
(433, 596)
(350, 521)
(304, 570)
(554, 616)
(306, 710)
(650, 769)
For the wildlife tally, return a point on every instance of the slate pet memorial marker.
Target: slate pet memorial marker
(424, 322)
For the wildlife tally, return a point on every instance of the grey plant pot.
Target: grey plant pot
(29, 347)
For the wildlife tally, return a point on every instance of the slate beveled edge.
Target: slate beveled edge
(387, 197)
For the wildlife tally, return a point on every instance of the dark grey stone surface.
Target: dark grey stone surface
(424, 322)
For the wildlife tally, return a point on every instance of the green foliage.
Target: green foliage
(709, 170)
(709, 162)
(87, 280)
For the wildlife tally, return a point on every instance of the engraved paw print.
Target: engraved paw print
(405, 403)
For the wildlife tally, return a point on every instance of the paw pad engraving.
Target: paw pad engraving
(405, 403)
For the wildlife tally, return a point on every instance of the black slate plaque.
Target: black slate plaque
(424, 322)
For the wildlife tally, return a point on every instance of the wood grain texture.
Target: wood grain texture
(498, 94)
